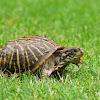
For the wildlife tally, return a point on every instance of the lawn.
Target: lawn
(70, 23)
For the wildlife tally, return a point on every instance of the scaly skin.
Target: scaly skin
(60, 59)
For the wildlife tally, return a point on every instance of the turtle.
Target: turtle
(37, 54)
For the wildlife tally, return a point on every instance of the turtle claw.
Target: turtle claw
(77, 65)
(77, 62)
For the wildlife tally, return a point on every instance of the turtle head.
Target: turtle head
(71, 55)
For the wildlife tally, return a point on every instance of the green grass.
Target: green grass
(69, 23)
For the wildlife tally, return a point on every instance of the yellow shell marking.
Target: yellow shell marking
(10, 47)
(18, 64)
(27, 58)
(54, 43)
(4, 58)
(37, 50)
(11, 60)
(32, 62)
(41, 47)
(0, 59)
(23, 60)
(32, 53)
(23, 55)
(46, 45)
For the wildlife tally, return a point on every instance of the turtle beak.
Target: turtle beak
(81, 50)
(80, 53)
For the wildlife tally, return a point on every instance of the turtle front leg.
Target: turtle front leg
(46, 72)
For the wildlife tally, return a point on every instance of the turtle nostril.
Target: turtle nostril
(81, 49)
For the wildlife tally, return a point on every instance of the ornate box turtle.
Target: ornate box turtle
(37, 53)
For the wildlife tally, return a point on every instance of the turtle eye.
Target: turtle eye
(75, 50)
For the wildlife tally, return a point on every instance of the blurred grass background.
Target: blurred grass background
(69, 23)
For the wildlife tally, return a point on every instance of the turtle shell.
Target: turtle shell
(28, 52)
